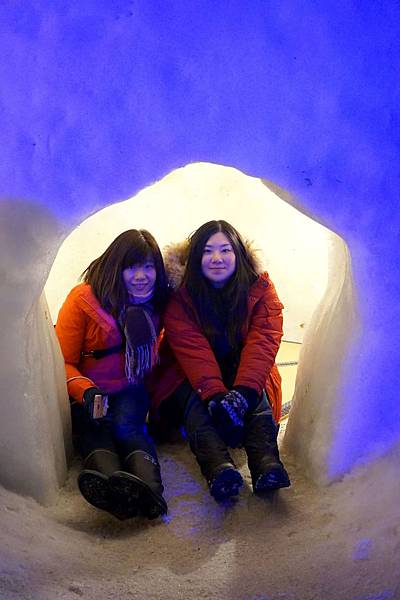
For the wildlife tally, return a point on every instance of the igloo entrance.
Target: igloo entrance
(293, 247)
(286, 254)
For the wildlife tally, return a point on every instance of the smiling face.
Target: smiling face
(218, 262)
(140, 279)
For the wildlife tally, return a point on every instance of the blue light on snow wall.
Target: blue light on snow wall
(102, 98)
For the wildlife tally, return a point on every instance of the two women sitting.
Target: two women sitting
(202, 356)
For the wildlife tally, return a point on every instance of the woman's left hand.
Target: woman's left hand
(228, 411)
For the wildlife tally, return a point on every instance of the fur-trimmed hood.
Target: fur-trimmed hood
(175, 257)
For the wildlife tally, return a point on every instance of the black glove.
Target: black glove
(235, 406)
(95, 406)
(213, 402)
(250, 395)
(227, 418)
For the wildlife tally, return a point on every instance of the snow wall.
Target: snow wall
(101, 99)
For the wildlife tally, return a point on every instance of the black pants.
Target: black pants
(123, 430)
(260, 430)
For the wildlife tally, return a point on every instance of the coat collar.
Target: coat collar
(256, 291)
(258, 288)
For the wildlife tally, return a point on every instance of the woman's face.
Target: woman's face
(219, 261)
(140, 279)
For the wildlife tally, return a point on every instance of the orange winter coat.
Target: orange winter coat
(196, 360)
(83, 325)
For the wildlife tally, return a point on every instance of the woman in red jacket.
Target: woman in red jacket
(224, 325)
(108, 328)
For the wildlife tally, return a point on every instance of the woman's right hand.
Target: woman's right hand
(227, 416)
(95, 403)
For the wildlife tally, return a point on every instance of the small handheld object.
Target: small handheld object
(100, 406)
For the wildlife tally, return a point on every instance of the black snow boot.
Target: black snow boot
(225, 482)
(93, 481)
(260, 442)
(215, 462)
(141, 478)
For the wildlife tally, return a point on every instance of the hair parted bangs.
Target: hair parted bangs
(104, 274)
(136, 255)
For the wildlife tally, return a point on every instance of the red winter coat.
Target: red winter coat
(196, 360)
(83, 325)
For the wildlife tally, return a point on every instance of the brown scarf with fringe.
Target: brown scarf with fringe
(141, 353)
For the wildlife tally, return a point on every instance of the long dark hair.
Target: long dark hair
(228, 302)
(104, 274)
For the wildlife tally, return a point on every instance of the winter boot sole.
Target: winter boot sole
(125, 496)
(94, 487)
(225, 484)
(272, 479)
(139, 494)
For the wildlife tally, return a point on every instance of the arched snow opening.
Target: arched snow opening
(294, 248)
(295, 251)
(181, 87)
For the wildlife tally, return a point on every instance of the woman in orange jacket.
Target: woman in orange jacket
(224, 325)
(108, 330)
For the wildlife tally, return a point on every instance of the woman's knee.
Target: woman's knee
(263, 405)
(196, 415)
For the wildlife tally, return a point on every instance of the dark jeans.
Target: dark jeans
(259, 434)
(122, 430)
(185, 407)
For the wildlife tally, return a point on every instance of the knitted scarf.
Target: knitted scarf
(141, 352)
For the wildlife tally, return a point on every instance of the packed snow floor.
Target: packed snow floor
(336, 543)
